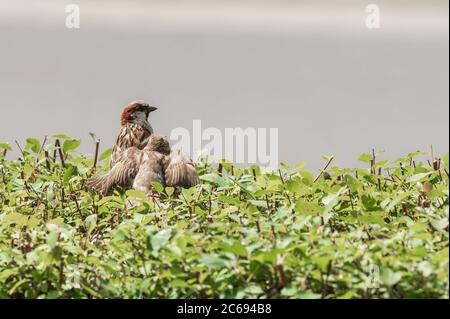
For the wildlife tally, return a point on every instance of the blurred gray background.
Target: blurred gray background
(310, 68)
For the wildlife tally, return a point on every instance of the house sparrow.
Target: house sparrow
(137, 168)
(135, 129)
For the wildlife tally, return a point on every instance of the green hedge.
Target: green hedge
(377, 232)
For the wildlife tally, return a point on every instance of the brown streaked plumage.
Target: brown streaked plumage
(135, 129)
(137, 168)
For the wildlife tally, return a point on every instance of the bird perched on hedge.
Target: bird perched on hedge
(135, 129)
(137, 168)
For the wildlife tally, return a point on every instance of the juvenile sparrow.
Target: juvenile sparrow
(137, 168)
(135, 129)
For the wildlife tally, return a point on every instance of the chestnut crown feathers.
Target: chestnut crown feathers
(133, 108)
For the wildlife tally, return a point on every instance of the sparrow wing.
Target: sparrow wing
(122, 174)
(180, 170)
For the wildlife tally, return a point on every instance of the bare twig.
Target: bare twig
(258, 228)
(372, 161)
(3, 176)
(209, 210)
(323, 170)
(42, 147)
(97, 145)
(60, 152)
(47, 162)
(279, 267)
(61, 271)
(434, 161)
(20, 148)
(281, 176)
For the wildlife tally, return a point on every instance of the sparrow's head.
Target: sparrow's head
(136, 112)
(158, 143)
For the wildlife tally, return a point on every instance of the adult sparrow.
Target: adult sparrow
(137, 168)
(135, 129)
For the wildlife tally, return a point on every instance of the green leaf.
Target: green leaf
(209, 177)
(5, 274)
(215, 179)
(62, 136)
(426, 268)
(229, 200)
(417, 177)
(33, 144)
(105, 200)
(297, 186)
(170, 190)
(178, 283)
(136, 194)
(16, 286)
(439, 224)
(369, 203)
(446, 161)
(160, 239)
(352, 183)
(330, 199)
(236, 248)
(323, 262)
(90, 222)
(14, 218)
(372, 218)
(52, 239)
(441, 256)
(308, 295)
(71, 145)
(5, 146)
(397, 200)
(389, 277)
(307, 208)
(299, 166)
(69, 172)
(157, 187)
(366, 158)
(380, 164)
(213, 261)
(106, 154)
(295, 292)
(307, 177)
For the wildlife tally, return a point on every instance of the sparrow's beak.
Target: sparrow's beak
(152, 108)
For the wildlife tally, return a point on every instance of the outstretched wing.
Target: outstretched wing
(122, 174)
(180, 170)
